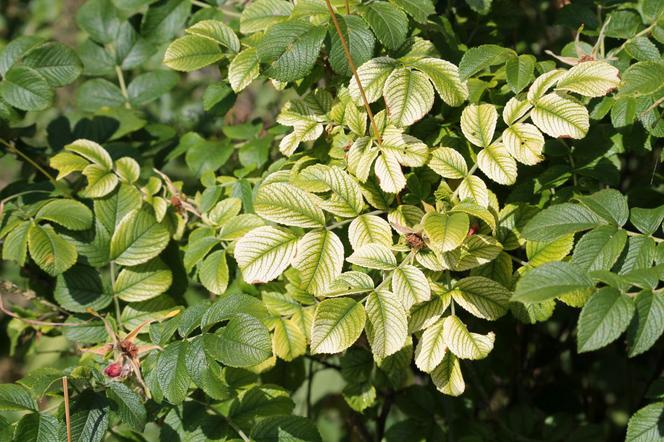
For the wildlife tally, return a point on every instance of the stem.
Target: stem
(630, 233)
(123, 86)
(65, 390)
(348, 221)
(116, 301)
(652, 106)
(384, 413)
(517, 260)
(200, 4)
(640, 34)
(12, 148)
(349, 58)
(348, 7)
(310, 379)
(20, 194)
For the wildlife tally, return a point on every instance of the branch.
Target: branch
(349, 58)
(10, 313)
(65, 390)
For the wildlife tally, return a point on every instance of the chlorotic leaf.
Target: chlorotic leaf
(337, 324)
(464, 344)
(264, 253)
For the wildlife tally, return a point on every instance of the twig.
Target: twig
(349, 58)
(116, 301)
(630, 233)
(200, 4)
(12, 148)
(10, 313)
(65, 390)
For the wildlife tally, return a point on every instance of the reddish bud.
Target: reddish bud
(113, 370)
(473, 229)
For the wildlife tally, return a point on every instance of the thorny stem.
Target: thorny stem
(347, 221)
(65, 390)
(349, 58)
(116, 301)
(12, 148)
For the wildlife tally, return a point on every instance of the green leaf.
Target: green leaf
(390, 24)
(216, 31)
(163, 21)
(98, 93)
(387, 325)
(89, 417)
(192, 52)
(645, 425)
(172, 373)
(359, 39)
(445, 232)
(111, 209)
(445, 78)
(603, 318)
(37, 427)
(368, 229)
(648, 323)
(259, 15)
(643, 79)
(560, 117)
(478, 123)
(541, 252)
(482, 297)
(264, 253)
(319, 260)
(286, 204)
(26, 89)
(50, 251)
(519, 72)
(143, 282)
(244, 342)
(16, 398)
(497, 164)
(642, 49)
(70, 214)
(213, 273)
(448, 163)
(464, 344)
(129, 405)
(647, 221)
(80, 288)
(57, 63)
(150, 86)
(138, 238)
(431, 348)
(373, 75)
(373, 256)
(285, 428)
(558, 220)
(610, 204)
(410, 286)
(15, 49)
(290, 49)
(100, 19)
(337, 324)
(447, 376)
(549, 281)
(243, 69)
(599, 249)
(420, 10)
(477, 59)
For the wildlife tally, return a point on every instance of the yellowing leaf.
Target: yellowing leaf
(320, 256)
(524, 142)
(286, 204)
(464, 344)
(478, 123)
(264, 253)
(497, 164)
(387, 325)
(590, 79)
(337, 324)
(408, 96)
(560, 117)
(448, 163)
